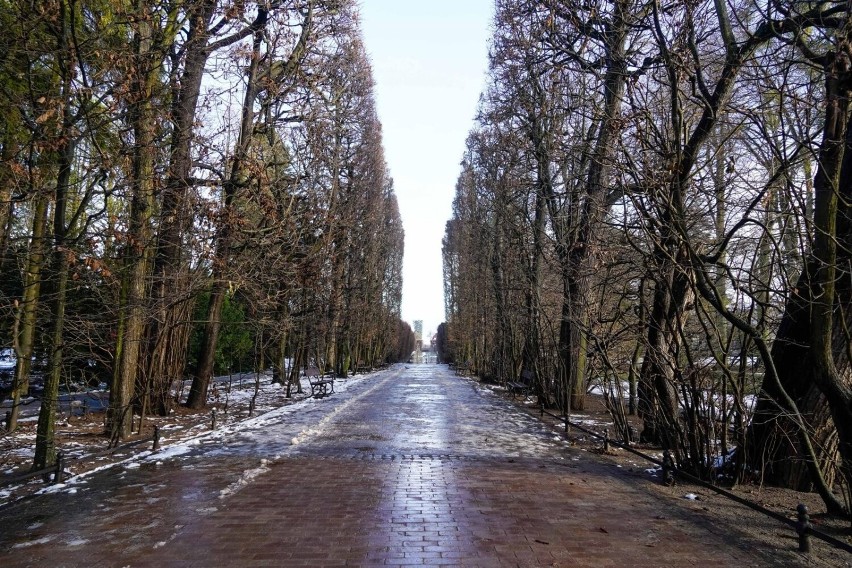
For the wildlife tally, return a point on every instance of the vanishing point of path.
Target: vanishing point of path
(408, 466)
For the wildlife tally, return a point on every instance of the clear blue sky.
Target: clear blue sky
(429, 62)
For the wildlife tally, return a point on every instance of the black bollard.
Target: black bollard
(8, 420)
(156, 438)
(85, 408)
(803, 526)
(606, 440)
(60, 466)
(213, 419)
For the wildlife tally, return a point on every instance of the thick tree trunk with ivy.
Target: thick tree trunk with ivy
(783, 459)
(811, 349)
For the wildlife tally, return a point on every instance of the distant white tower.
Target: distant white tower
(418, 341)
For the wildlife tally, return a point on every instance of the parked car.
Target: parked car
(7, 361)
(7, 372)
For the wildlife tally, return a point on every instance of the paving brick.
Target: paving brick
(454, 478)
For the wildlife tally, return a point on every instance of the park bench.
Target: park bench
(523, 385)
(463, 369)
(319, 382)
(362, 368)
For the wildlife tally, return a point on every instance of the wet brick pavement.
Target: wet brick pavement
(409, 466)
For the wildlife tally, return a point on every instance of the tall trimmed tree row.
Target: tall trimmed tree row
(674, 209)
(161, 161)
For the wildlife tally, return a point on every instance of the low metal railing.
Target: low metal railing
(56, 473)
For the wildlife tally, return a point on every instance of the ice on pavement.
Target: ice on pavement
(498, 428)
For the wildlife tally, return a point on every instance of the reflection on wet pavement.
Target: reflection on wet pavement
(411, 465)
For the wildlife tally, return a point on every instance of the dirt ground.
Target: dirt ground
(717, 508)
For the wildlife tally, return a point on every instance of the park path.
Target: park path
(407, 466)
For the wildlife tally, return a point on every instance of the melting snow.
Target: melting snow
(169, 452)
(245, 479)
(42, 540)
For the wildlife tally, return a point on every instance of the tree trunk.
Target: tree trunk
(45, 449)
(812, 343)
(658, 406)
(532, 299)
(197, 398)
(505, 363)
(24, 341)
(138, 252)
(574, 243)
(673, 291)
(198, 391)
(45, 443)
(7, 183)
(168, 334)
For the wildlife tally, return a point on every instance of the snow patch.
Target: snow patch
(42, 540)
(169, 452)
(56, 488)
(246, 478)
